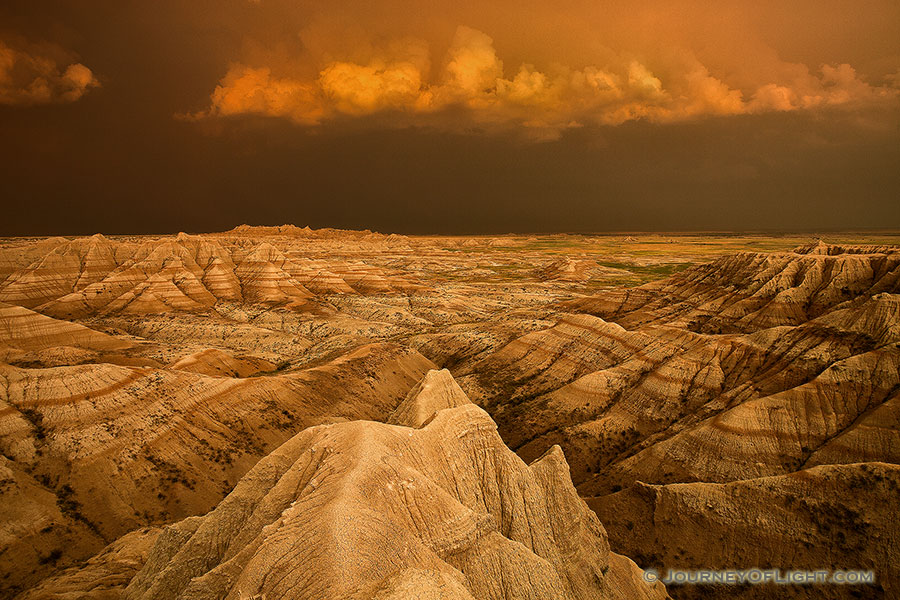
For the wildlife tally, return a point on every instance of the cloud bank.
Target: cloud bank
(474, 85)
(33, 75)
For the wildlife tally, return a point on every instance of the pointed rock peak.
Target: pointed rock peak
(436, 392)
(84, 244)
(174, 261)
(552, 463)
(553, 454)
(265, 252)
(817, 247)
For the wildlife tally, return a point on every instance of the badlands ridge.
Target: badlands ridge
(282, 412)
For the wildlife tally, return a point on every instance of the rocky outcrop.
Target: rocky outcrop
(370, 510)
(264, 279)
(747, 292)
(123, 447)
(661, 402)
(146, 379)
(827, 517)
(437, 391)
(89, 276)
(754, 368)
(27, 336)
(847, 413)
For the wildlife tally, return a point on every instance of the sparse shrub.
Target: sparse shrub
(37, 422)
(51, 558)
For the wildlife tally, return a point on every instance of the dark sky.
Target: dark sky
(412, 117)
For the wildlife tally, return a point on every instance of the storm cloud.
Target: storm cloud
(472, 117)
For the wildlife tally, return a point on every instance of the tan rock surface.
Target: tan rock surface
(29, 336)
(753, 366)
(217, 363)
(104, 576)
(437, 391)
(144, 377)
(827, 517)
(125, 446)
(363, 510)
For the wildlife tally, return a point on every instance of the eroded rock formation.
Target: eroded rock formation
(172, 399)
(370, 510)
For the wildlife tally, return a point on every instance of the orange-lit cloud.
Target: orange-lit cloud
(835, 86)
(472, 77)
(245, 90)
(363, 89)
(29, 77)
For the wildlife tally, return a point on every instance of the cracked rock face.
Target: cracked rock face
(371, 510)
